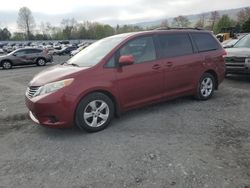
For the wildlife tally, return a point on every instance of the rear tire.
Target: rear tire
(206, 86)
(94, 112)
(41, 62)
(6, 65)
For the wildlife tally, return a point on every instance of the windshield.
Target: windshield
(94, 53)
(243, 43)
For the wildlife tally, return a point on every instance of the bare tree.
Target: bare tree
(215, 16)
(25, 21)
(180, 21)
(164, 23)
(243, 15)
(201, 22)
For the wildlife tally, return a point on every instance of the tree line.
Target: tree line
(71, 29)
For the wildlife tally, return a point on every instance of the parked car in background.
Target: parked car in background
(25, 56)
(238, 57)
(229, 43)
(65, 50)
(1, 51)
(74, 52)
(124, 72)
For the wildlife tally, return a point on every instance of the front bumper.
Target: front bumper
(55, 110)
(240, 67)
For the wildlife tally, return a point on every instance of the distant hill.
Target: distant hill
(193, 18)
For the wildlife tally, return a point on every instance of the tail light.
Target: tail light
(46, 50)
(224, 53)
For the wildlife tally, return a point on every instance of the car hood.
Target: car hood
(55, 73)
(238, 52)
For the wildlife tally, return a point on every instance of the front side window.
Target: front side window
(205, 42)
(20, 52)
(142, 49)
(172, 45)
(94, 53)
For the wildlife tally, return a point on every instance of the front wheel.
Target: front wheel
(206, 87)
(6, 65)
(94, 112)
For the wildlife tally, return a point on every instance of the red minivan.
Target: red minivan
(124, 72)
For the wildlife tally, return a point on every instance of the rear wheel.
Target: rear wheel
(41, 62)
(206, 87)
(94, 112)
(6, 65)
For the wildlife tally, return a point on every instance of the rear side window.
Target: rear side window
(31, 51)
(205, 42)
(172, 45)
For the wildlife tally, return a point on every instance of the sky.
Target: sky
(110, 11)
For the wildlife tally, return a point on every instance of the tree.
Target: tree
(224, 22)
(5, 34)
(164, 23)
(243, 15)
(201, 22)
(25, 21)
(68, 26)
(246, 26)
(214, 17)
(180, 21)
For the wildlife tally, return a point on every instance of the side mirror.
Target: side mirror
(14, 54)
(126, 60)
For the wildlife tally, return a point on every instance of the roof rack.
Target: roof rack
(178, 28)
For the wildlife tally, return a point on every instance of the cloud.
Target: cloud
(112, 11)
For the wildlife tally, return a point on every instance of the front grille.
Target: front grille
(235, 59)
(31, 91)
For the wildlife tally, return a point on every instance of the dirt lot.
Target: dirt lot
(182, 143)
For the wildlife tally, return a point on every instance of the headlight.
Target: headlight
(52, 87)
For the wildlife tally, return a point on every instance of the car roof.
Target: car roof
(160, 31)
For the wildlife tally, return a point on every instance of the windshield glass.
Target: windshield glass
(243, 43)
(93, 54)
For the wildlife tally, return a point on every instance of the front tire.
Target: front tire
(6, 65)
(206, 86)
(94, 112)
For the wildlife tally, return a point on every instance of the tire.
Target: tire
(94, 112)
(41, 62)
(6, 65)
(206, 87)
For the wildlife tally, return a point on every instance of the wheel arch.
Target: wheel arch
(6, 60)
(107, 93)
(215, 75)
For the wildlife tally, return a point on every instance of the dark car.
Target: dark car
(25, 56)
(238, 57)
(123, 72)
(65, 50)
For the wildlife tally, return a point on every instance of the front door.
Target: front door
(141, 82)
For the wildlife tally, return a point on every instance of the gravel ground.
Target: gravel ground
(181, 143)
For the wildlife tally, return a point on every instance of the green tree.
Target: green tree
(25, 21)
(246, 26)
(5, 34)
(224, 22)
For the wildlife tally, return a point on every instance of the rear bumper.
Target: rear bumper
(55, 110)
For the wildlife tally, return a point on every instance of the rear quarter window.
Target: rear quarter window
(205, 42)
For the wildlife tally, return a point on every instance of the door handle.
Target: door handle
(156, 66)
(169, 64)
